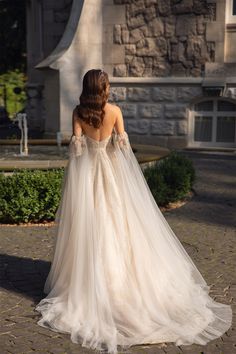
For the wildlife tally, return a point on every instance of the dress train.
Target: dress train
(119, 275)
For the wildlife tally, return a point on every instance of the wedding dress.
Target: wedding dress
(119, 275)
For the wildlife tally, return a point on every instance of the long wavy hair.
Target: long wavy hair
(93, 97)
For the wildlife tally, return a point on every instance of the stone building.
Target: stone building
(172, 66)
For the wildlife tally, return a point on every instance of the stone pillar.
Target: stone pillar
(113, 53)
(215, 31)
(34, 54)
(34, 39)
(34, 108)
(230, 38)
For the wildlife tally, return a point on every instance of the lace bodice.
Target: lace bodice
(78, 144)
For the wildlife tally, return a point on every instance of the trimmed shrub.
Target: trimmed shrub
(34, 195)
(171, 178)
(30, 196)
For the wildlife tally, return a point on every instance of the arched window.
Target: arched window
(213, 123)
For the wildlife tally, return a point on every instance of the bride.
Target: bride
(119, 275)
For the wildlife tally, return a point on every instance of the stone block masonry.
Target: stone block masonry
(157, 115)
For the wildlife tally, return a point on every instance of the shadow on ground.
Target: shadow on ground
(24, 275)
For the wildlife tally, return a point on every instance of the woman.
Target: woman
(119, 275)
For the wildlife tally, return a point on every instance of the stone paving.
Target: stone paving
(205, 226)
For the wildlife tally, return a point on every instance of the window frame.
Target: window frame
(230, 18)
(214, 114)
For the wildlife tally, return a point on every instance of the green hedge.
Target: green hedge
(34, 195)
(170, 179)
(30, 196)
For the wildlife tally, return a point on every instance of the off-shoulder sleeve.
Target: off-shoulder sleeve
(77, 145)
(122, 140)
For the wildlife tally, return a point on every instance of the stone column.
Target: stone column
(34, 54)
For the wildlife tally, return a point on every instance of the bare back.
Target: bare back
(112, 119)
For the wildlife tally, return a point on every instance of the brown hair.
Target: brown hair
(93, 97)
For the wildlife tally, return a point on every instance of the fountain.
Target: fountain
(44, 155)
(59, 141)
(22, 124)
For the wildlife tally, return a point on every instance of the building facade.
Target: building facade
(172, 66)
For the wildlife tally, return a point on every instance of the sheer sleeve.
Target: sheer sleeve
(77, 145)
(122, 141)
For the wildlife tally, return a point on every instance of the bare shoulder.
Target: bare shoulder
(113, 108)
(118, 122)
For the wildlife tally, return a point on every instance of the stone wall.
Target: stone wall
(156, 115)
(164, 50)
(164, 38)
(159, 55)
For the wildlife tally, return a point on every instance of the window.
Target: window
(202, 128)
(204, 106)
(234, 8)
(213, 123)
(225, 129)
(231, 11)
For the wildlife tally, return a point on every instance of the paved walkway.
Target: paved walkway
(205, 225)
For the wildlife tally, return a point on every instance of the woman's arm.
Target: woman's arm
(121, 135)
(77, 129)
(119, 124)
(77, 143)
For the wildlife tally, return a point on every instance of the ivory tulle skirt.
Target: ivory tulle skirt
(119, 275)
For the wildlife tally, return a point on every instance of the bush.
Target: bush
(171, 178)
(34, 195)
(12, 79)
(30, 196)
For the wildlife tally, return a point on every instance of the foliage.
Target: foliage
(30, 196)
(171, 178)
(34, 195)
(15, 102)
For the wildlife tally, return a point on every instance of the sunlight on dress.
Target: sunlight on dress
(119, 275)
